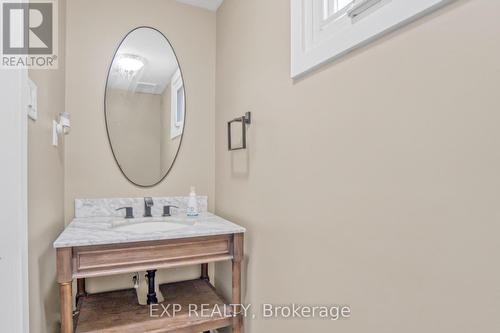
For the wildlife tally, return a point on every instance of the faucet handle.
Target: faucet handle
(129, 212)
(148, 202)
(166, 210)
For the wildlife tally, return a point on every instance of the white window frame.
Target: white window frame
(318, 37)
(176, 125)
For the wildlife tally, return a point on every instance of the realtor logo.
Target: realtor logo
(29, 34)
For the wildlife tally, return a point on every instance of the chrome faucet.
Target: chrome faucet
(148, 203)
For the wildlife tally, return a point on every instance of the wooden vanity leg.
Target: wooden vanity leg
(65, 280)
(236, 272)
(80, 289)
(66, 294)
(204, 276)
(204, 272)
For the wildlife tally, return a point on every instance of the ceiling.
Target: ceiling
(212, 5)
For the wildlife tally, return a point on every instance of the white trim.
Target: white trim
(14, 305)
(176, 125)
(24, 200)
(317, 38)
(211, 5)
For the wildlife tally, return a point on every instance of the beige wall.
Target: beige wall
(95, 28)
(372, 182)
(45, 192)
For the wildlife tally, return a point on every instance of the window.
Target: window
(178, 105)
(179, 114)
(325, 30)
(334, 7)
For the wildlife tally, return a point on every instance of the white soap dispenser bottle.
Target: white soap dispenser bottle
(192, 209)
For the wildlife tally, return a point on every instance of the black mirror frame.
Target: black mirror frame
(185, 108)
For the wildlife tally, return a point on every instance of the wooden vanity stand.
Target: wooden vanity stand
(118, 311)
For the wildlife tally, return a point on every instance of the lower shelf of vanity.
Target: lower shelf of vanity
(119, 312)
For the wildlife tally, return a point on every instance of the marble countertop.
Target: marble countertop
(85, 231)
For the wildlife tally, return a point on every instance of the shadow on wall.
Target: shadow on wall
(50, 307)
(240, 163)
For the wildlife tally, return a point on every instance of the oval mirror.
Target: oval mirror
(145, 106)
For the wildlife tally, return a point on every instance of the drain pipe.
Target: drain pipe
(152, 299)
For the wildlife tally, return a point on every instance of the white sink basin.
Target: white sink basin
(148, 225)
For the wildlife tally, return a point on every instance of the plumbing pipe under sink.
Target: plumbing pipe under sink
(141, 291)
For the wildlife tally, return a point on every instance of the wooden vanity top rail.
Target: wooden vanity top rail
(102, 260)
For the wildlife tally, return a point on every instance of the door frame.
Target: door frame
(14, 279)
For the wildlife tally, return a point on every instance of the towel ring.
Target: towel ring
(244, 120)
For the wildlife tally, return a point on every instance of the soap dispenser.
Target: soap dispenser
(192, 209)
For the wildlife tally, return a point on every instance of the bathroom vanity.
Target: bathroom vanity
(100, 241)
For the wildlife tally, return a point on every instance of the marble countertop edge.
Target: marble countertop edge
(92, 231)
